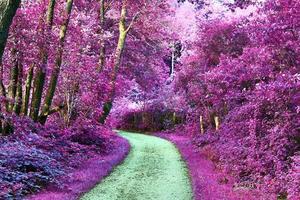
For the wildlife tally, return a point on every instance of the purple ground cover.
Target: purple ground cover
(87, 176)
(62, 161)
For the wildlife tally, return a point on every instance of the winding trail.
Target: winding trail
(153, 170)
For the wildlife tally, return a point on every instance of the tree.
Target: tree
(8, 10)
(55, 74)
(102, 12)
(28, 86)
(40, 75)
(123, 32)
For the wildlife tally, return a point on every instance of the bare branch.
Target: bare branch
(132, 21)
(108, 7)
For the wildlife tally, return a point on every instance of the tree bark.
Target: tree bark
(174, 117)
(55, 73)
(102, 42)
(36, 100)
(172, 62)
(19, 91)
(217, 122)
(39, 80)
(2, 87)
(14, 74)
(201, 125)
(106, 110)
(50, 13)
(8, 10)
(123, 31)
(28, 85)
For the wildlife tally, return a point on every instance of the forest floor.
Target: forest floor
(84, 178)
(153, 170)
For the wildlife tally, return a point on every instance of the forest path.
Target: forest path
(153, 170)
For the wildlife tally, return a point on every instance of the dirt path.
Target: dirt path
(153, 170)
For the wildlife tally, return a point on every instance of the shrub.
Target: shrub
(35, 156)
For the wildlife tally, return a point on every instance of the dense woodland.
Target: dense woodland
(224, 73)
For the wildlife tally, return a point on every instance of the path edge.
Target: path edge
(199, 193)
(87, 176)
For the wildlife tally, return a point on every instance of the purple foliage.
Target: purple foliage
(258, 142)
(90, 173)
(35, 156)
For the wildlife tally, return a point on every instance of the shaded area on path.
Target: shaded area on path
(153, 170)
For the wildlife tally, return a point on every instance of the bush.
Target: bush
(91, 135)
(259, 141)
(26, 169)
(35, 156)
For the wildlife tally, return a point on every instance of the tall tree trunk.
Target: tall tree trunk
(36, 100)
(2, 87)
(28, 85)
(172, 67)
(106, 110)
(201, 125)
(174, 118)
(3, 94)
(14, 74)
(50, 13)
(8, 10)
(19, 91)
(39, 80)
(58, 62)
(217, 122)
(102, 42)
(123, 31)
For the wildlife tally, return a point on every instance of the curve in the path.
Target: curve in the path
(153, 170)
